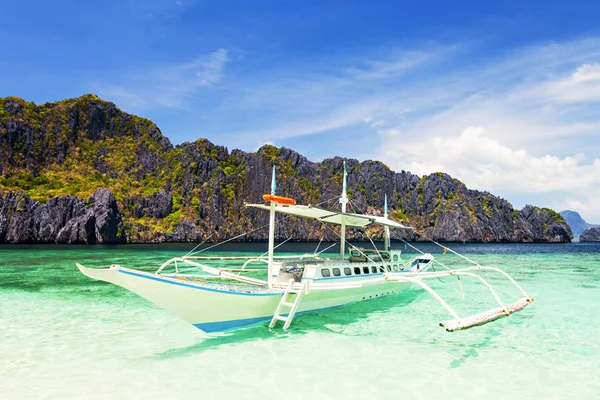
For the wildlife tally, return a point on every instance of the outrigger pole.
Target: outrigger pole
(343, 202)
(271, 232)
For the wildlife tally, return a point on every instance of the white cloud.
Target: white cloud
(169, 86)
(587, 72)
(486, 164)
(210, 71)
(582, 85)
(483, 163)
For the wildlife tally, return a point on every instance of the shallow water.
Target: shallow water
(64, 336)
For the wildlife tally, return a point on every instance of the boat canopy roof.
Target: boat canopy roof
(331, 217)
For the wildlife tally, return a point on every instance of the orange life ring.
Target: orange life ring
(279, 199)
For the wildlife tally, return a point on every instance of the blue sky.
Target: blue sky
(502, 95)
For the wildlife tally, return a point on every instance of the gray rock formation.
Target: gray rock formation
(158, 205)
(590, 235)
(61, 220)
(185, 231)
(108, 227)
(23, 220)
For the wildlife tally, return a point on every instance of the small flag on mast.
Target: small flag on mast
(273, 182)
(385, 208)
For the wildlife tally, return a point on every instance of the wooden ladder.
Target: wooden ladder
(284, 303)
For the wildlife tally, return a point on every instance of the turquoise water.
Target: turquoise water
(64, 336)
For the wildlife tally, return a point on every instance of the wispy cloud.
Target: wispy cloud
(170, 86)
(327, 95)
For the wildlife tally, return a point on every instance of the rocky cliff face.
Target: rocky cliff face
(61, 220)
(56, 154)
(590, 235)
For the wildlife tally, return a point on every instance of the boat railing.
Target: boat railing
(248, 260)
(226, 273)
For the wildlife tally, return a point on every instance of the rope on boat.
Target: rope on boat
(356, 209)
(375, 247)
(228, 240)
(325, 249)
(204, 241)
(266, 252)
(351, 245)
(420, 251)
(448, 249)
(318, 245)
(328, 200)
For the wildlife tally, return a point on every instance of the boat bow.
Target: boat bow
(102, 274)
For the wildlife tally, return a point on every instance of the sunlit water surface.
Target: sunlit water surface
(64, 336)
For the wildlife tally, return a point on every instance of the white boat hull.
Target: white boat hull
(213, 310)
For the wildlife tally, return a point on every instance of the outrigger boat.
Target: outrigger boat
(216, 298)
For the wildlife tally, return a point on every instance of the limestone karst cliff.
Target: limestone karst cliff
(83, 171)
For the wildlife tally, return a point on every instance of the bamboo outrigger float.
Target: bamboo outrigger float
(214, 298)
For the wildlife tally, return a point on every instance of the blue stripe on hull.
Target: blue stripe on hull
(221, 326)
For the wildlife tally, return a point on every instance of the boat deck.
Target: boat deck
(228, 286)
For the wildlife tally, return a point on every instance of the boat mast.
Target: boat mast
(271, 232)
(343, 202)
(386, 229)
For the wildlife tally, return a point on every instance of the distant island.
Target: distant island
(83, 171)
(578, 225)
(590, 235)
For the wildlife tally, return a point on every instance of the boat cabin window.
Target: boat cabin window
(419, 261)
(336, 272)
(374, 269)
(357, 256)
(325, 273)
(395, 268)
(366, 270)
(356, 270)
(347, 271)
(364, 255)
(388, 268)
(395, 257)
